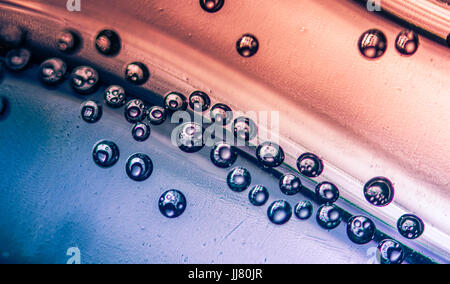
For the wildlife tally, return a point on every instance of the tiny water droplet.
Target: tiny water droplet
(372, 44)
(157, 115)
(390, 252)
(139, 167)
(141, 132)
(247, 45)
(270, 154)
(407, 42)
(84, 79)
(134, 111)
(244, 128)
(108, 43)
(137, 73)
(52, 71)
(172, 203)
(258, 195)
(211, 6)
(199, 101)
(327, 192)
(175, 102)
(309, 165)
(17, 59)
(290, 184)
(115, 96)
(379, 191)
(221, 114)
(279, 212)
(223, 155)
(360, 230)
(303, 210)
(105, 154)
(91, 112)
(328, 217)
(410, 226)
(239, 179)
(190, 137)
(68, 41)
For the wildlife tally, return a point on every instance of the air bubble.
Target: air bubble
(52, 71)
(303, 210)
(270, 154)
(68, 41)
(190, 137)
(115, 96)
(372, 44)
(137, 73)
(221, 114)
(175, 102)
(309, 165)
(379, 191)
(244, 128)
(290, 184)
(141, 132)
(327, 192)
(108, 43)
(17, 59)
(157, 115)
(199, 101)
(258, 195)
(247, 45)
(239, 179)
(211, 6)
(84, 79)
(139, 167)
(279, 212)
(223, 155)
(410, 226)
(390, 252)
(105, 154)
(172, 203)
(91, 112)
(407, 42)
(328, 217)
(360, 230)
(134, 111)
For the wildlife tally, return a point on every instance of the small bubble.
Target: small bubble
(390, 252)
(410, 226)
(105, 154)
(327, 192)
(199, 101)
(175, 102)
(379, 191)
(68, 41)
(134, 111)
(190, 137)
(244, 128)
(137, 73)
(115, 96)
(328, 217)
(279, 212)
(211, 6)
(141, 132)
(270, 154)
(84, 79)
(309, 165)
(407, 42)
(17, 59)
(139, 167)
(172, 203)
(247, 45)
(372, 44)
(52, 71)
(157, 115)
(258, 195)
(91, 112)
(360, 230)
(108, 43)
(12, 35)
(290, 184)
(303, 210)
(221, 114)
(239, 179)
(223, 155)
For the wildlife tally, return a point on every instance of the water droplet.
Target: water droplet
(134, 111)
(108, 43)
(244, 128)
(290, 184)
(379, 191)
(239, 179)
(328, 216)
(303, 210)
(53, 71)
(199, 101)
(279, 212)
(327, 192)
(309, 165)
(17, 59)
(212, 6)
(221, 114)
(91, 112)
(175, 102)
(247, 45)
(190, 137)
(172, 203)
(157, 115)
(105, 154)
(68, 41)
(223, 155)
(137, 73)
(270, 154)
(258, 195)
(390, 252)
(11, 35)
(372, 44)
(410, 226)
(360, 230)
(141, 131)
(84, 79)
(115, 96)
(139, 167)
(407, 42)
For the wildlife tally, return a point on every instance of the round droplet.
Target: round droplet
(137, 73)
(84, 79)
(115, 96)
(303, 210)
(328, 216)
(309, 165)
(390, 252)
(372, 44)
(221, 114)
(223, 155)
(327, 192)
(53, 71)
(407, 42)
(11, 35)
(175, 102)
(239, 179)
(157, 115)
(211, 6)
(379, 191)
(290, 184)
(410, 226)
(91, 112)
(172, 203)
(199, 101)
(68, 41)
(244, 128)
(108, 43)
(134, 111)
(279, 212)
(190, 137)
(270, 154)
(17, 59)
(141, 131)
(247, 45)
(139, 167)
(105, 154)
(360, 230)
(258, 195)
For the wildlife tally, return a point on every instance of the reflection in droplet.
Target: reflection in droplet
(247, 45)
(212, 6)
(134, 111)
(328, 216)
(407, 42)
(303, 210)
(309, 165)
(327, 192)
(221, 114)
(258, 195)
(172, 203)
(279, 212)
(270, 154)
(223, 155)
(17, 59)
(175, 102)
(139, 167)
(52, 71)
(199, 101)
(91, 112)
(239, 179)
(390, 252)
(189, 137)
(137, 73)
(410, 226)
(115, 96)
(108, 43)
(290, 184)
(67, 41)
(105, 154)
(372, 44)
(141, 131)
(84, 79)
(360, 230)
(379, 191)
(244, 128)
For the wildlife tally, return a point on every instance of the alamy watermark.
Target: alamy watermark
(73, 5)
(74, 254)
(373, 5)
